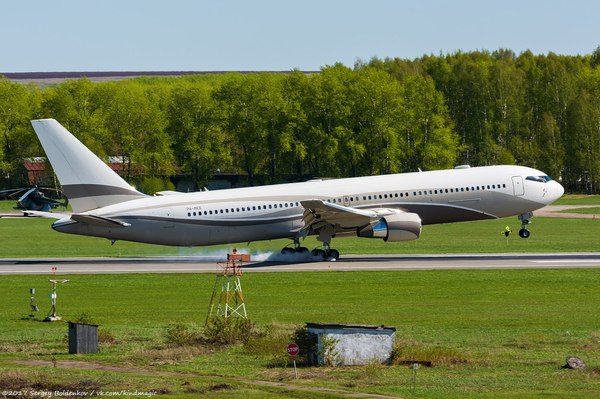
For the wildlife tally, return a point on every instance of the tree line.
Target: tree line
(380, 116)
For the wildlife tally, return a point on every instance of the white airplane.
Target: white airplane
(389, 207)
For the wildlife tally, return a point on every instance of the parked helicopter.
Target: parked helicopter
(34, 198)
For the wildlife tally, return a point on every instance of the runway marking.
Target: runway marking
(567, 261)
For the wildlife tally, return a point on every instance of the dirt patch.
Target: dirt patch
(75, 364)
(216, 387)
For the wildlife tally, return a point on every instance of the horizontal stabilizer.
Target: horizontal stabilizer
(49, 215)
(98, 221)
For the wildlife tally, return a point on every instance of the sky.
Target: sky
(271, 35)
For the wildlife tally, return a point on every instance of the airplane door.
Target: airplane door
(346, 200)
(518, 188)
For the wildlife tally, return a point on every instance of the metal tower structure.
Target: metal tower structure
(52, 314)
(227, 299)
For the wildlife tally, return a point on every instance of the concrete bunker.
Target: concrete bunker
(346, 345)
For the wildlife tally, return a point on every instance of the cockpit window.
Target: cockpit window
(540, 179)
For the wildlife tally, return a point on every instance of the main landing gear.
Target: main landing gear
(326, 233)
(296, 250)
(326, 253)
(524, 218)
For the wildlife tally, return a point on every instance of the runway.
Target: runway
(278, 263)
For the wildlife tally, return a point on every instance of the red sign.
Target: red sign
(293, 349)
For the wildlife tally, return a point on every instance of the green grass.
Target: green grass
(8, 206)
(33, 237)
(548, 235)
(11, 206)
(578, 199)
(593, 210)
(510, 329)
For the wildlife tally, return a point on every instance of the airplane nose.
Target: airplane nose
(556, 191)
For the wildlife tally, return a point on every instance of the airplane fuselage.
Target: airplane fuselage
(271, 212)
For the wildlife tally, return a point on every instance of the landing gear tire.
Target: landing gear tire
(288, 251)
(333, 254)
(524, 233)
(302, 250)
(319, 253)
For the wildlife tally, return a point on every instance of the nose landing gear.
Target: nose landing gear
(524, 218)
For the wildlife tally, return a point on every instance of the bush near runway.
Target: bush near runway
(490, 333)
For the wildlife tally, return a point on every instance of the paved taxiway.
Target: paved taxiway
(278, 264)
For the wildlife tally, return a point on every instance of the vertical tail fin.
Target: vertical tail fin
(86, 180)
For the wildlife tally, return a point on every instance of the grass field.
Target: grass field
(488, 333)
(33, 237)
(578, 199)
(593, 210)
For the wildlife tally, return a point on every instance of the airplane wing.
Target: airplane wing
(327, 219)
(318, 211)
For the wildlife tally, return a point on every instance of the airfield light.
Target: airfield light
(415, 366)
(34, 308)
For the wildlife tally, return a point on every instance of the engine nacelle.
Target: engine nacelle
(404, 226)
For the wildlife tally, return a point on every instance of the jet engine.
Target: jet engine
(403, 226)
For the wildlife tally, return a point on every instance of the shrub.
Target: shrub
(84, 318)
(229, 331)
(308, 346)
(180, 334)
(408, 353)
(271, 343)
(106, 336)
